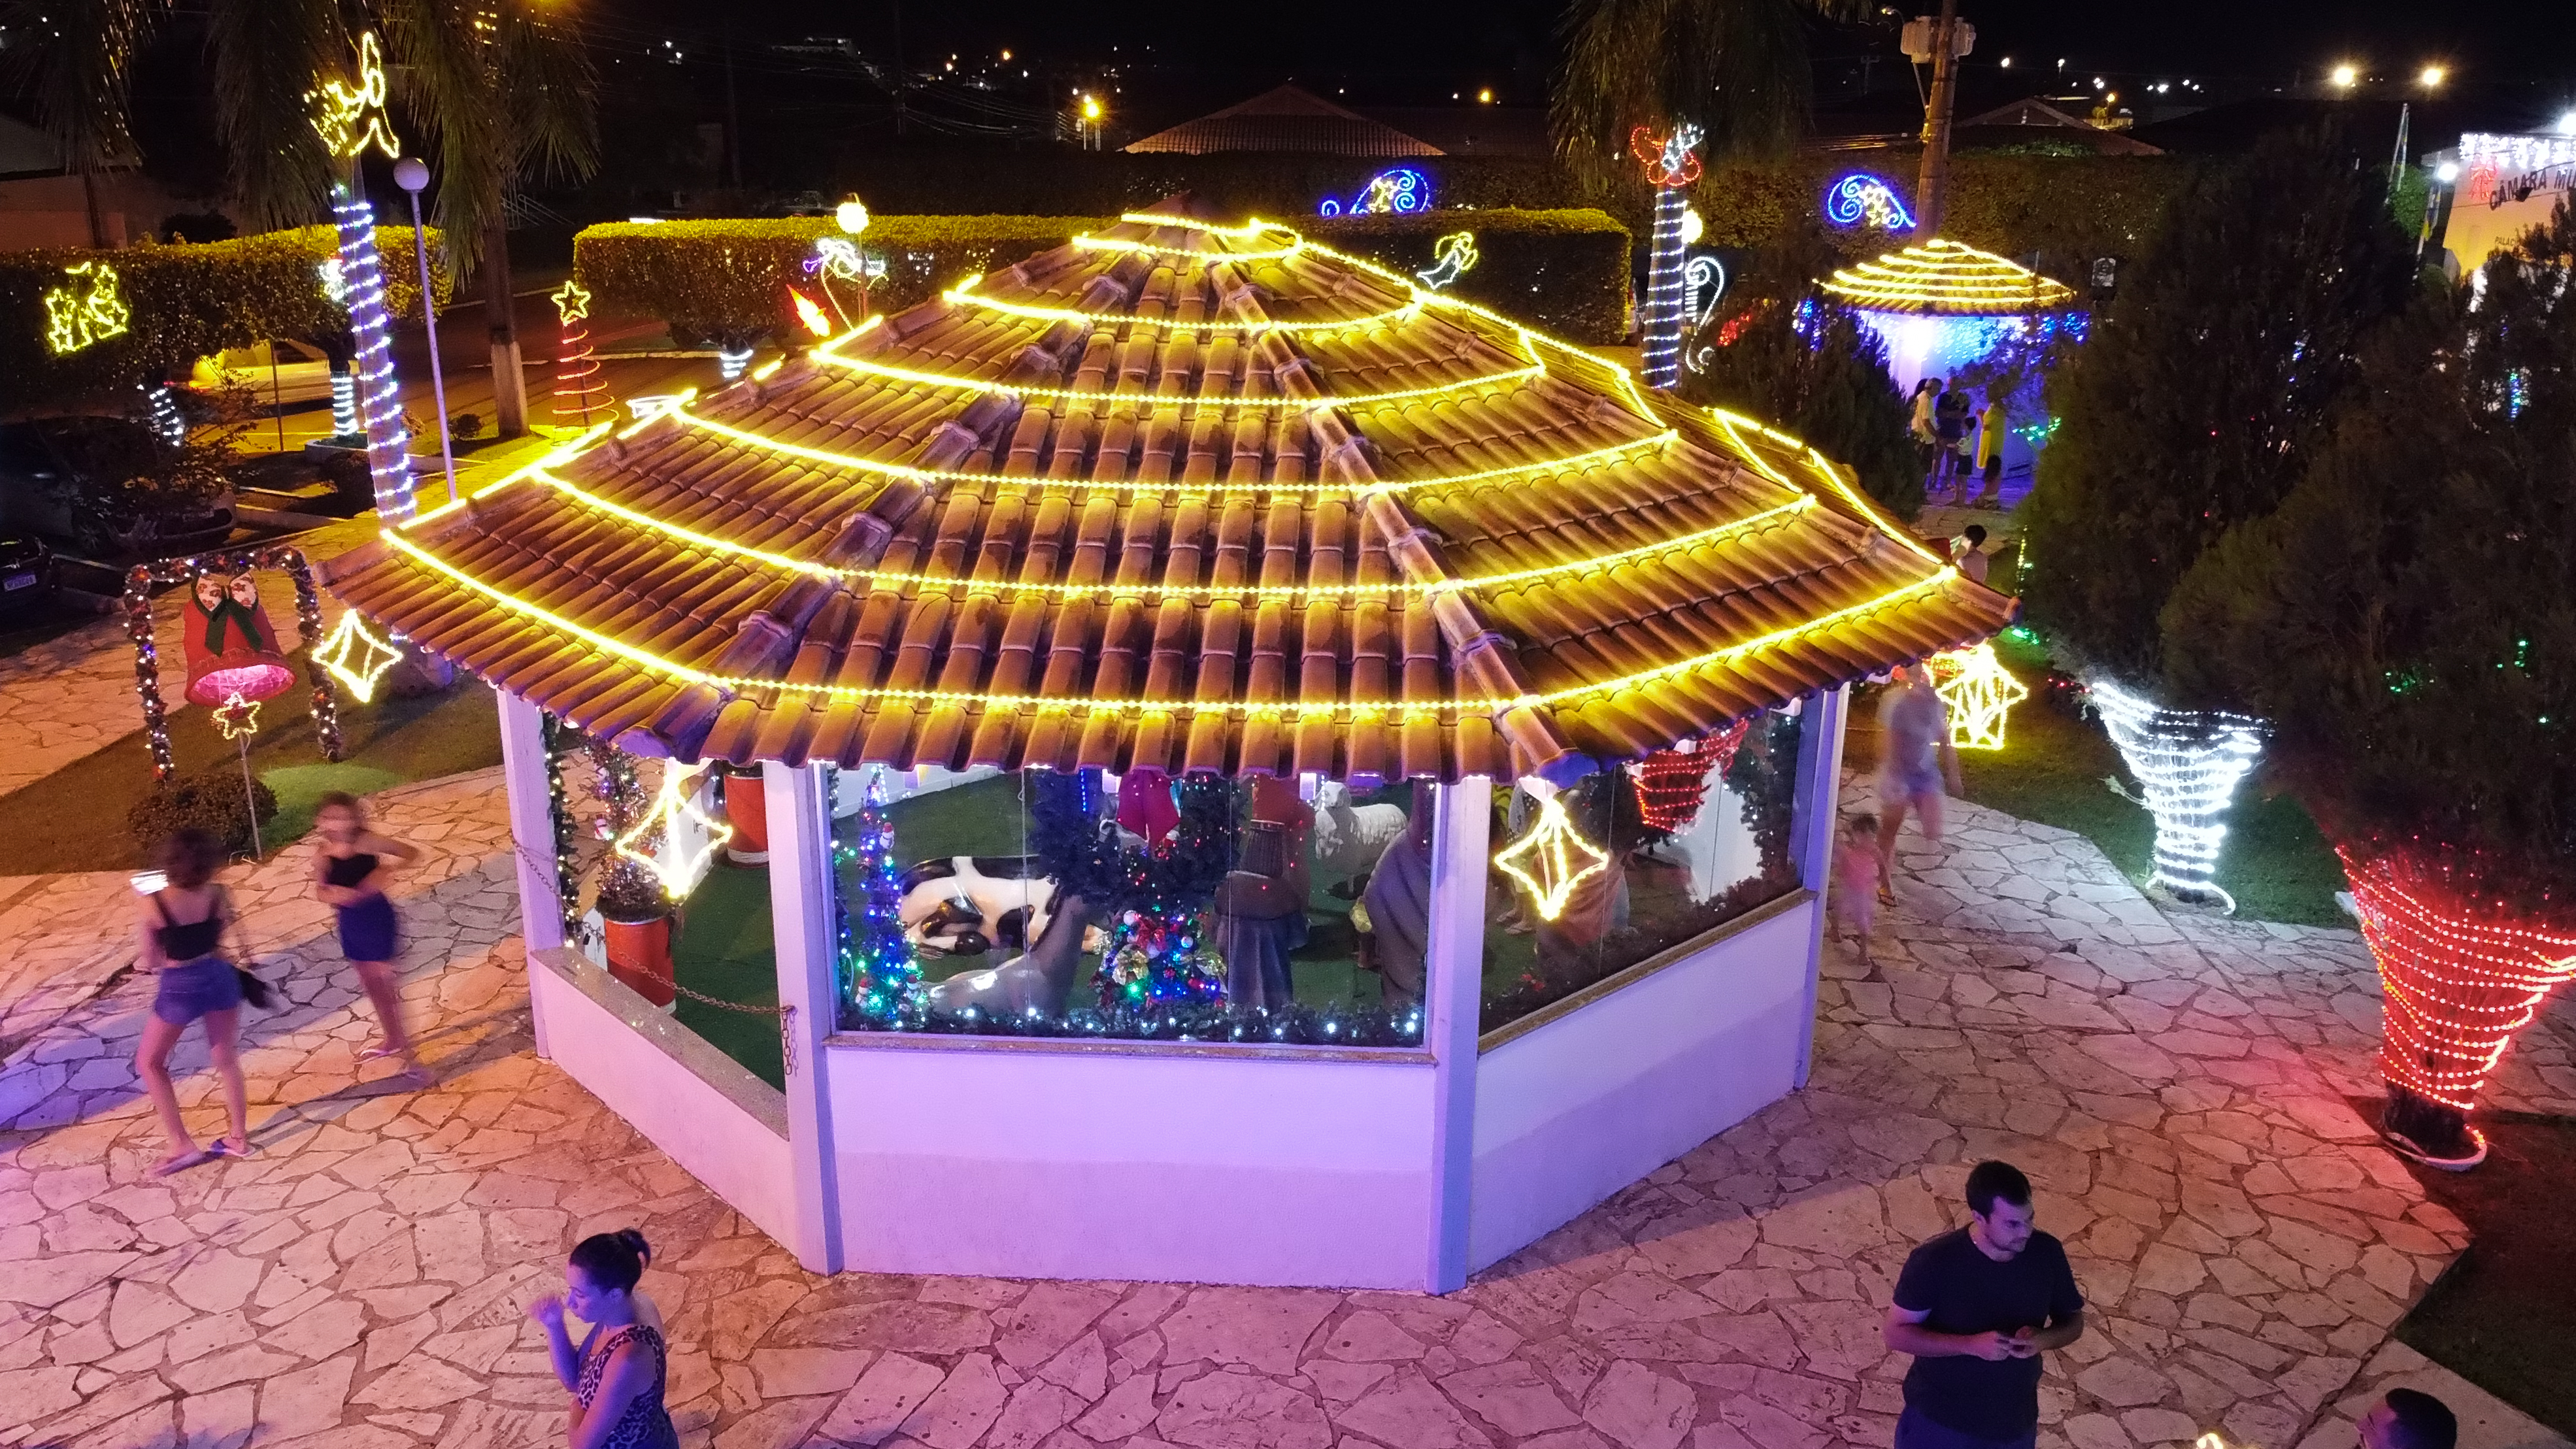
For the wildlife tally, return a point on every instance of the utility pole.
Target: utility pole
(1932, 186)
(902, 77)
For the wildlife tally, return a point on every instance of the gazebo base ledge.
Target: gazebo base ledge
(722, 1125)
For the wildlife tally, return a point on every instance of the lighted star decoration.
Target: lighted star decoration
(237, 717)
(677, 801)
(89, 307)
(355, 657)
(1980, 692)
(571, 302)
(813, 317)
(1552, 859)
(1450, 256)
(352, 118)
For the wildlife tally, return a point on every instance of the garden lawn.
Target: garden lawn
(2499, 1318)
(74, 818)
(2052, 767)
(725, 949)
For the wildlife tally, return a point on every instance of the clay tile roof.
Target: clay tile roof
(1286, 118)
(1178, 495)
(1948, 277)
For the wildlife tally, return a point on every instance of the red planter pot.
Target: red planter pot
(639, 954)
(746, 806)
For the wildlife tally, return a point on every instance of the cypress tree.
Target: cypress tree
(2203, 391)
(2407, 621)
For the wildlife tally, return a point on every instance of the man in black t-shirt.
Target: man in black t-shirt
(1976, 1306)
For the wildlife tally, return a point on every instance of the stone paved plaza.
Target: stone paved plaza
(2180, 1089)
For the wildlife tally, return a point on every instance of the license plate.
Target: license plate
(18, 581)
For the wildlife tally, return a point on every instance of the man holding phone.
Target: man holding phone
(1976, 1307)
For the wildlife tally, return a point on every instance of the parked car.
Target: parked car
(27, 573)
(108, 484)
(301, 373)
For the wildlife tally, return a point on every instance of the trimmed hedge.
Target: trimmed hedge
(212, 800)
(726, 281)
(1273, 185)
(186, 301)
(1564, 272)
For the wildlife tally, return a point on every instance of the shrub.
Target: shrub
(210, 800)
(185, 302)
(1564, 272)
(726, 281)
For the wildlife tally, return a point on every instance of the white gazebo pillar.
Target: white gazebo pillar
(1453, 1001)
(806, 935)
(532, 832)
(1815, 817)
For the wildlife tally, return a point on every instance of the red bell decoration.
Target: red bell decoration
(230, 646)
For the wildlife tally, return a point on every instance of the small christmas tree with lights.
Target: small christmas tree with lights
(881, 979)
(1156, 956)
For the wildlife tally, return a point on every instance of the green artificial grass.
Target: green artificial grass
(2499, 1318)
(2052, 767)
(724, 948)
(74, 818)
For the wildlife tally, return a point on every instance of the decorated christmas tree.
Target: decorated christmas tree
(1155, 956)
(880, 979)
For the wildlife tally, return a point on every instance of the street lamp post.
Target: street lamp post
(411, 174)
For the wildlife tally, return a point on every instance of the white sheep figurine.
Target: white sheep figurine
(1349, 838)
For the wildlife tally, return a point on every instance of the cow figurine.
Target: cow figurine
(964, 905)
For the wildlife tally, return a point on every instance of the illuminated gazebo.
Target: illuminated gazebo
(1944, 305)
(1213, 505)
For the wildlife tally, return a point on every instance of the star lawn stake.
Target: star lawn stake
(1552, 859)
(1980, 692)
(237, 717)
(355, 657)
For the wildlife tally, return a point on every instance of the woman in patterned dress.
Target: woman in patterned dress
(616, 1375)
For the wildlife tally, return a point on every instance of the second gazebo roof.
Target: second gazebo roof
(1179, 495)
(1947, 277)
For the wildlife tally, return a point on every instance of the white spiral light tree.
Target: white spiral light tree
(2190, 763)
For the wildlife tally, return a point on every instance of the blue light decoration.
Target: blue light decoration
(362, 281)
(1858, 198)
(880, 980)
(1398, 192)
(1672, 164)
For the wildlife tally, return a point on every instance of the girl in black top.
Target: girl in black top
(183, 926)
(352, 865)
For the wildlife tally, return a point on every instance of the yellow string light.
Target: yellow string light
(1173, 399)
(1214, 488)
(355, 657)
(964, 294)
(677, 801)
(1088, 242)
(902, 578)
(669, 668)
(1552, 859)
(1947, 274)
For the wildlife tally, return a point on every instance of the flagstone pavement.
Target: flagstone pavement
(2179, 1088)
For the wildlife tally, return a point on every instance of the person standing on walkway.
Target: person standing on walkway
(2409, 1419)
(1926, 393)
(617, 1375)
(183, 931)
(1976, 1307)
(1951, 418)
(1990, 451)
(1914, 757)
(351, 868)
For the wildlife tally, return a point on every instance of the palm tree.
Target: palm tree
(1738, 68)
(502, 87)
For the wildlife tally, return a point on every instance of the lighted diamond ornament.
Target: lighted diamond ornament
(1451, 256)
(237, 717)
(677, 867)
(88, 308)
(1552, 859)
(1979, 692)
(355, 657)
(812, 316)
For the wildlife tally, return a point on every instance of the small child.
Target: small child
(1859, 871)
